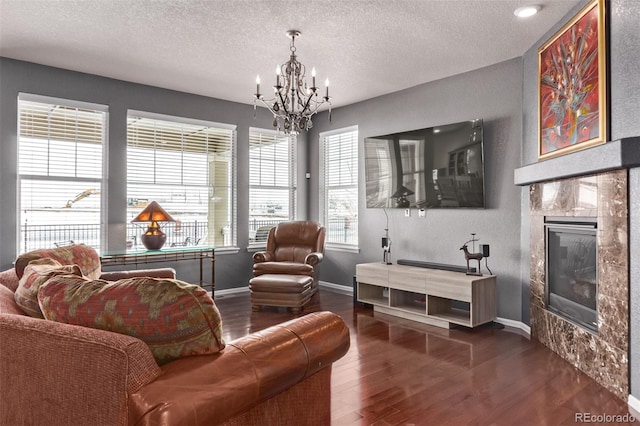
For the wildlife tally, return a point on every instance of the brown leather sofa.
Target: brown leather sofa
(293, 248)
(60, 374)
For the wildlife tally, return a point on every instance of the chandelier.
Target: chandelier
(294, 102)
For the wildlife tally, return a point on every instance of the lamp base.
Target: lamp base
(153, 242)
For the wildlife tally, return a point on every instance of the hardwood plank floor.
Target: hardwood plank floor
(398, 372)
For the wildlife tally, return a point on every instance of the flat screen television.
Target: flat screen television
(435, 167)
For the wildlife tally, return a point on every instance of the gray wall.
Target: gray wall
(493, 94)
(625, 122)
(624, 110)
(232, 270)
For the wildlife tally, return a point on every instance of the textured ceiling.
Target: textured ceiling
(366, 48)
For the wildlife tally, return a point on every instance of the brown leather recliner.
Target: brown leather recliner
(293, 248)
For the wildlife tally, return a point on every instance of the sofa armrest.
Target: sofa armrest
(313, 258)
(209, 389)
(65, 374)
(9, 279)
(323, 338)
(262, 256)
(153, 273)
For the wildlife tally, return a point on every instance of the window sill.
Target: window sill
(227, 250)
(344, 249)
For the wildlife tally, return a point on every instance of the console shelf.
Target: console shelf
(408, 301)
(436, 297)
(374, 294)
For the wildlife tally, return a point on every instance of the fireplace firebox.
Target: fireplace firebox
(571, 288)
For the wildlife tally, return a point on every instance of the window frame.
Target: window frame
(102, 180)
(292, 186)
(323, 190)
(179, 120)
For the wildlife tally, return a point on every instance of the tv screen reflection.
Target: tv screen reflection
(435, 167)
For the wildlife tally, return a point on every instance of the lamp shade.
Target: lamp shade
(153, 213)
(403, 191)
(401, 196)
(153, 238)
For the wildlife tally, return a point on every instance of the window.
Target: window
(339, 186)
(60, 172)
(188, 167)
(272, 182)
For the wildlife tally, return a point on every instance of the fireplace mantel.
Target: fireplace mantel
(620, 154)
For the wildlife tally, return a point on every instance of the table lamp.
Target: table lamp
(401, 194)
(153, 238)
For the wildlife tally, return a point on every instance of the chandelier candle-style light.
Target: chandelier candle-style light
(294, 103)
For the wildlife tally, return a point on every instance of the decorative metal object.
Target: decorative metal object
(294, 102)
(386, 248)
(472, 256)
(386, 243)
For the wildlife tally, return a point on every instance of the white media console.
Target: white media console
(431, 296)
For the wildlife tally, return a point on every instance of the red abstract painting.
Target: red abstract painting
(572, 85)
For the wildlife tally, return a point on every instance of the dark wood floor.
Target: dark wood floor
(399, 372)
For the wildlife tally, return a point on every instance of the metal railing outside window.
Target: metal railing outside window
(342, 231)
(259, 230)
(183, 234)
(339, 230)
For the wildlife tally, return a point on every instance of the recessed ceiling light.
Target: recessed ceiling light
(526, 11)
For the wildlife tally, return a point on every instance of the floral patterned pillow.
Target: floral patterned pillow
(175, 319)
(35, 275)
(76, 254)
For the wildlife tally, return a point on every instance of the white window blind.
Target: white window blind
(188, 167)
(339, 186)
(60, 157)
(272, 182)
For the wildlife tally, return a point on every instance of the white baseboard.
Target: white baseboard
(232, 291)
(634, 406)
(343, 289)
(515, 324)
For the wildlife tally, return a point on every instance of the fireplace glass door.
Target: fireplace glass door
(571, 270)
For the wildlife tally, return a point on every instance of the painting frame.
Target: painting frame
(572, 85)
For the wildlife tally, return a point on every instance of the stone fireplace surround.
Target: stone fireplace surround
(603, 356)
(589, 183)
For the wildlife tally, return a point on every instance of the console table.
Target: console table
(173, 254)
(430, 296)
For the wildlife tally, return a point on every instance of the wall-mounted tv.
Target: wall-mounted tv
(435, 167)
